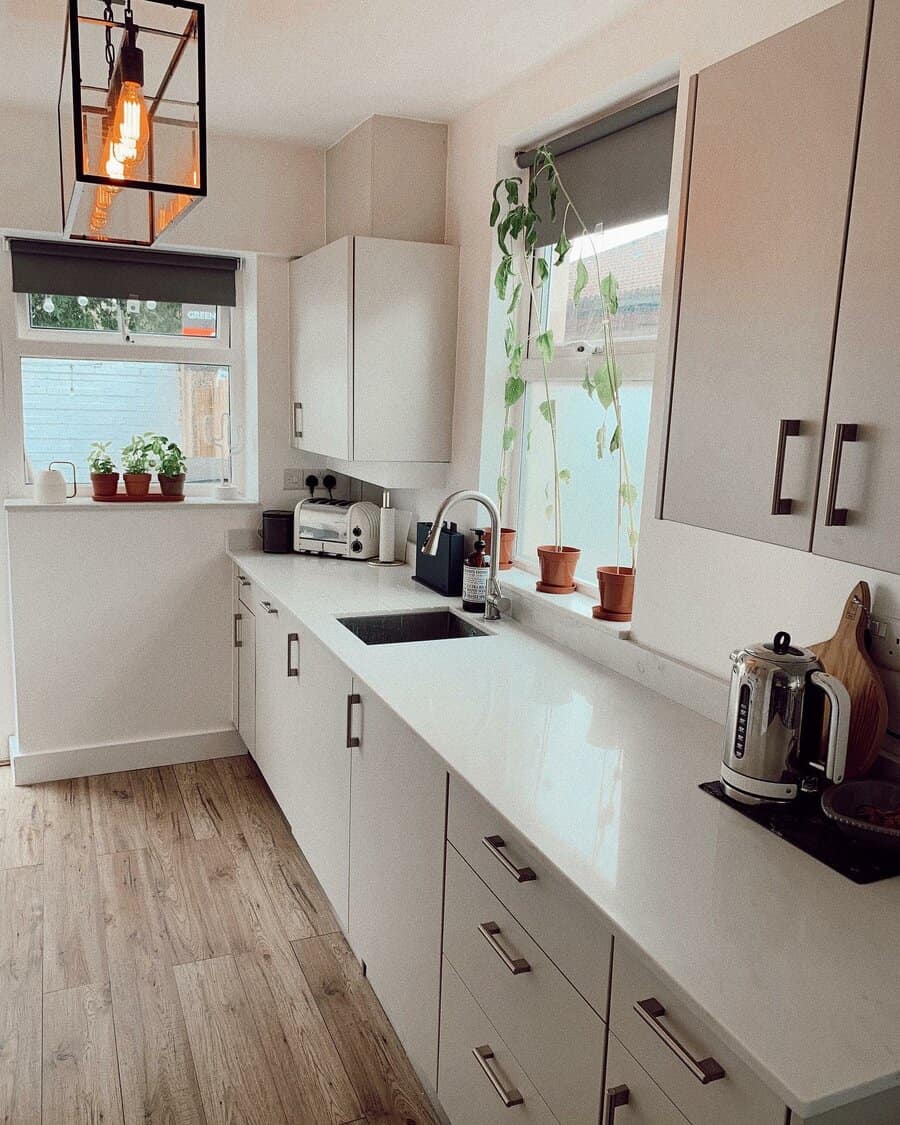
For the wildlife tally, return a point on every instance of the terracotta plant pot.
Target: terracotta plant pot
(507, 546)
(171, 486)
(104, 484)
(137, 484)
(558, 569)
(616, 593)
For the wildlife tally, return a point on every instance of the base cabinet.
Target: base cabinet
(397, 827)
(630, 1096)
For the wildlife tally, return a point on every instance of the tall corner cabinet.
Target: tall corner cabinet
(373, 350)
(785, 355)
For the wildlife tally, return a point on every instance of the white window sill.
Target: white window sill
(574, 609)
(86, 504)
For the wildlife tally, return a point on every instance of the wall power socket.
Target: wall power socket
(885, 651)
(294, 478)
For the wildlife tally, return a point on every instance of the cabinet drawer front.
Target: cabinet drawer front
(631, 1097)
(670, 1046)
(556, 915)
(466, 1087)
(553, 1032)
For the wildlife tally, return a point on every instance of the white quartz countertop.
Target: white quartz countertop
(796, 967)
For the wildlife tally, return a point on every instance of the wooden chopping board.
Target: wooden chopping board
(846, 658)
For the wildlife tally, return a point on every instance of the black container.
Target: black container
(278, 531)
(443, 572)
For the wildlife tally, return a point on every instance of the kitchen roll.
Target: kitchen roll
(386, 531)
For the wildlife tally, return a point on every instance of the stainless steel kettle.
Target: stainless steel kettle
(773, 728)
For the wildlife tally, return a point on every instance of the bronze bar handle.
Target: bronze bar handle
(269, 608)
(238, 643)
(782, 505)
(244, 581)
(298, 429)
(293, 669)
(704, 1070)
(490, 931)
(509, 1095)
(520, 874)
(352, 739)
(615, 1096)
(843, 431)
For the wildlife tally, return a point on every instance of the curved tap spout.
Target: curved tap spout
(494, 604)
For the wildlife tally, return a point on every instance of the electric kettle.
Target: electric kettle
(773, 729)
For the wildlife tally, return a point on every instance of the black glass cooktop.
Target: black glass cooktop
(803, 824)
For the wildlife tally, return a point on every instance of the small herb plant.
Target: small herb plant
(99, 460)
(170, 461)
(139, 455)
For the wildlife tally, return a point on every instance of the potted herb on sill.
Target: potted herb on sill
(104, 478)
(137, 460)
(171, 467)
(516, 222)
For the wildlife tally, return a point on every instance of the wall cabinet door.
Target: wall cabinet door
(859, 477)
(630, 1096)
(245, 633)
(397, 830)
(771, 162)
(321, 335)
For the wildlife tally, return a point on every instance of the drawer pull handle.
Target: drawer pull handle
(615, 1096)
(238, 643)
(781, 505)
(509, 1095)
(244, 581)
(494, 844)
(293, 669)
(352, 739)
(490, 931)
(269, 608)
(843, 432)
(704, 1070)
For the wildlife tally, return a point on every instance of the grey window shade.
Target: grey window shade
(616, 170)
(83, 270)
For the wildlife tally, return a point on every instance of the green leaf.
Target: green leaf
(501, 278)
(603, 387)
(514, 363)
(587, 384)
(509, 437)
(543, 271)
(513, 391)
(581, 279)
(562, 247)
(565, 476)
(495, 212)
(632, 537)
(553, 192)
(616, 440)
(548, 411)
(545, 345)
(501, 486)
(629, 493)
(512, 190)
(609, 287)
(601, 442)
(514, 300)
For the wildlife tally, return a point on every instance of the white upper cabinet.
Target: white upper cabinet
(770, 172)
(373, 350)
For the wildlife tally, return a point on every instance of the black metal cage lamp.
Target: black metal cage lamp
(132, 118)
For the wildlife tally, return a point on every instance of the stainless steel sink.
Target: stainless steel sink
(401, 628)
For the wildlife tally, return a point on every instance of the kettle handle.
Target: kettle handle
(839, 724)
(69, 495)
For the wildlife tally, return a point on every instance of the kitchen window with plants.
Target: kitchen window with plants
(128, 391)
(581, 242)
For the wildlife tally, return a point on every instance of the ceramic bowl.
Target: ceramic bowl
(840, 802)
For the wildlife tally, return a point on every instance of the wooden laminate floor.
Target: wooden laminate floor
(167, 956)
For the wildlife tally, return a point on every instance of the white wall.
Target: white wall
(698, 592)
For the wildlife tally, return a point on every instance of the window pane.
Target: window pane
(633, 254)
(67, 404)
(589, 500)
(73, 314)
(170, 318)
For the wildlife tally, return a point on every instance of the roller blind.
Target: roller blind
(616, 170)
(83, 270)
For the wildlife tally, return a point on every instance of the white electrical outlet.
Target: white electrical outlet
(885, 651)
(293, 479)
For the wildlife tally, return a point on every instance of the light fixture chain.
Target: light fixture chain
(110, 50)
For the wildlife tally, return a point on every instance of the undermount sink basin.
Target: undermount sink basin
(401, 628)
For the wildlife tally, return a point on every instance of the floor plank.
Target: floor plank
(74, 947)
(382, 1075)
(20, 995)
(185, 901)
(235, 1081)
(81, 1078)
(115, 813)
(21, 822)
(164, 817)
(156, 1068)
(205, 799)
(296, 894)
(249, 921)
(308, 1073)
(240, 766)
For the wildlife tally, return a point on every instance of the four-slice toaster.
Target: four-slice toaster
(344, 529)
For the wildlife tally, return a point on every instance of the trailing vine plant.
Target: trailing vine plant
(516, 221)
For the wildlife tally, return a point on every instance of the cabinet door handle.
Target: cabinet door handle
(490, 931)
(238, 643)
(298, 426)
(293, 669)
(244, 581)
(615, 1096)
(520, 874)
(352, 739)
(509, 1095)
(269, 608)
(843, 431)
(782, 505)
(704, 1070)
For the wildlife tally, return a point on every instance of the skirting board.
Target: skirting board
(83, 761)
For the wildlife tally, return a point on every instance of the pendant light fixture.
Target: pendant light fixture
(132, 118)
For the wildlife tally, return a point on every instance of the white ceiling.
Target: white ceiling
(312, 69)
